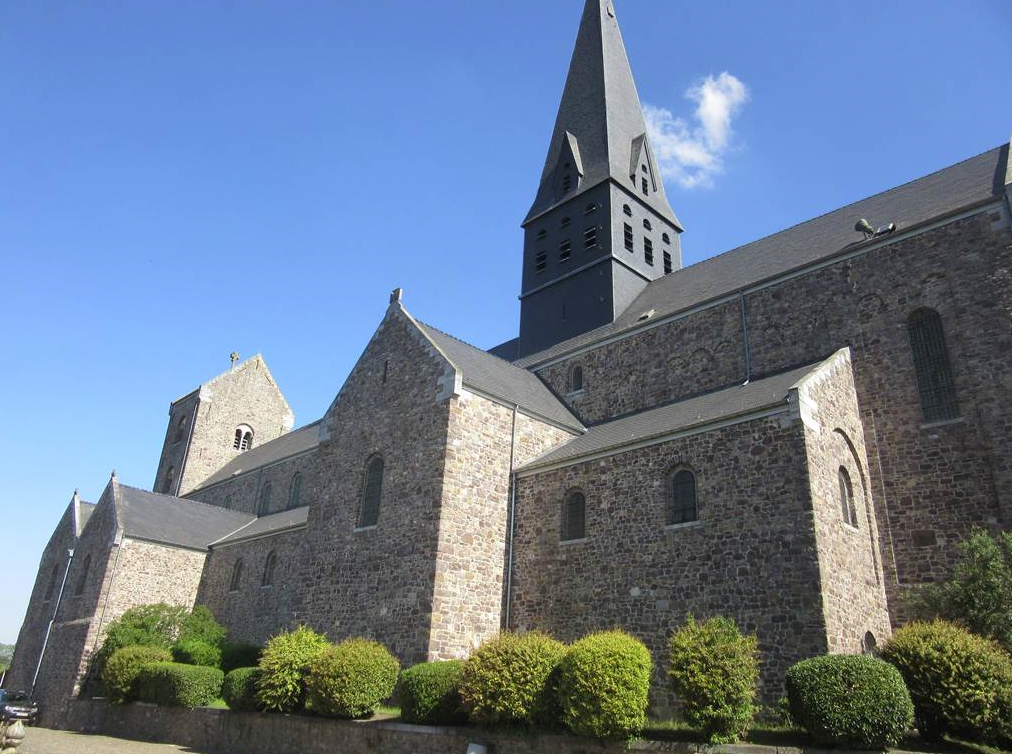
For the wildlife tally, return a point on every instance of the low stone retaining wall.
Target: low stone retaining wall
(211, 731)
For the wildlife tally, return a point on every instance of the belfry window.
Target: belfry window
(181, 429)
(564, 250)
(647, 225)
(170, 477)
(627, 210)
(666, 238)
(243, 440)
(295, 491)
(576, 379)
(648, 251)
(629, 239)
(372, 491)
(236, 584)
(667, 262)
(541, 261)
(574, 516)
(590, 209)
(82, 580)
(645, 185)
(567, 183)
(269, 566)
(590, 237)
(265, 500)
(683, 507)
(564, 222)
(542, 234)
(935, 384)
(847, 506)
(52, 582)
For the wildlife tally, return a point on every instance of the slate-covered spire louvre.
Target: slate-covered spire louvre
(601, 115)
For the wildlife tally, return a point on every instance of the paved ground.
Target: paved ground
(43, 741)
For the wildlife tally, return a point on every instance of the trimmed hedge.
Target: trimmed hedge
(201, 625)
(120, 671)
(239, 654)
(174, 685)
(714, 671)
(604, 685)
(239, 690)
(429, 694)
(850, 700)
(284, 662)
(196, 652)
(512, 680)
(960, 683)
(350, 680)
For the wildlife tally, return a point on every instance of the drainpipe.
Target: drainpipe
(511, 521)
(49, 628)
(744, 331)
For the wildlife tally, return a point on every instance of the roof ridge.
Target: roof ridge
(830, 212)
(183, 499)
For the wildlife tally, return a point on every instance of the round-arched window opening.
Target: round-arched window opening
(869, 645)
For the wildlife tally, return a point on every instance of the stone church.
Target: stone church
(789, 434)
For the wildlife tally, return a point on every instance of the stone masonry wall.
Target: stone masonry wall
(52, 567)
(473, 524)
(244, 492)
(853, 593)
(255, 611)
(378, 582)
(751, 557)
(932, 483)
(247, 395)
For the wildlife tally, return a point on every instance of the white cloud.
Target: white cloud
(692, 153)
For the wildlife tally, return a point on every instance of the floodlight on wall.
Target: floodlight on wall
(863, 226)
(477, 749)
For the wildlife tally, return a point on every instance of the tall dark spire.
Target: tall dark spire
(601, 228)
(600, 120)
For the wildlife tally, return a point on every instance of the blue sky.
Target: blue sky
(180, 179)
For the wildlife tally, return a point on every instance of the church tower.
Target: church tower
(601, 228)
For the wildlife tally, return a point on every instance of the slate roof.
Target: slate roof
(500, 378)
(175, 521)
(693, 412)
(84, 512)
(601, 108)
(272, 524)
(289, 444)
(971, 182)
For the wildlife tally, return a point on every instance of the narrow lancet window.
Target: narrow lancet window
(372, 491)
(574, 516)
(683, 508)
(935, 384)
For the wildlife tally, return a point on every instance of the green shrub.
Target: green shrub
(239, 690)
(144, 626)
(200, 625)
(850, 700)
(512, 680)
(351, 679)
(235, 655)
(979, 594)
(196, 652)
(120, 672)
(429, 693)
(961, 684)
(174, 685)
(284, 662)
(604, 683)
(714, 670)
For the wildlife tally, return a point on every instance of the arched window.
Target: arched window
(243, 438)
(869, 645)
(170, 477)
(847, 506)
(627, 210)
(647, 225)
(293, 493)
(666, 238)
(576, 379)
(590, 209)
(935, 385)
(683, 508)
(269, 566)
(372, 491)
(82, 580)
(236, 584)
(52, 582)
(265, 500)
(181, 429)
(574, 516)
